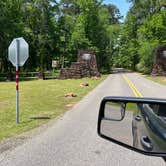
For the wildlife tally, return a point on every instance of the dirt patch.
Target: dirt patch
(84, 84)
(11, 143)
(4, 103)
(70, 95)
(71, 105)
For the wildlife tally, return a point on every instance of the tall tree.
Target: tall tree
(11, 26)
(142, 31)
(114, 12)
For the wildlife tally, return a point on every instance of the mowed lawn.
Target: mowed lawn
(40, 101)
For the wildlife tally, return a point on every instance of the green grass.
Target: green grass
(39, 98)
(158, 79)
(131, 107)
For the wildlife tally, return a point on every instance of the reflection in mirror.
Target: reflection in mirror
(114, 111)
(143, 127)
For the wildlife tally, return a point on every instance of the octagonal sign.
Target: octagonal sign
(18, 51)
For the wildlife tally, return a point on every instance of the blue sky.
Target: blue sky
(121, 4)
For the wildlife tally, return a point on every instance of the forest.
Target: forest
(56, 30)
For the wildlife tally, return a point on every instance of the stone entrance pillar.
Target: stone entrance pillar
(159, 67)
(86, 66)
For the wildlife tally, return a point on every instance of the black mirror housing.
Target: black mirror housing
(144, 115)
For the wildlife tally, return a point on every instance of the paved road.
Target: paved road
(72, 140)
(147, 87)
(119, 130)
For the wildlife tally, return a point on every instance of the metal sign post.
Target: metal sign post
(17, 79)
(18, 53)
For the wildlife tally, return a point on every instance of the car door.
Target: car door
(148, 129)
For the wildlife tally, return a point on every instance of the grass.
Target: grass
(40, 100)
(158, 79)
(131, 107)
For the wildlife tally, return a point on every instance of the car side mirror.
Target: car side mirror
(138, 124)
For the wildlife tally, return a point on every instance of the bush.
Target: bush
(146, 54)
(141, 68)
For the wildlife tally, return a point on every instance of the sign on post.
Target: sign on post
(54, 63)
(18, 53)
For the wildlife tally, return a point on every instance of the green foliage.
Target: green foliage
(10, 22)
(33, 20)
(56, 30)
(90, 30)
(144, 29)
(114, 13)
(150, 35)
(154, 27)
(79, 38)
(146, 53)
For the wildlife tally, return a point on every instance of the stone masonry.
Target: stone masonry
(159, 68)
(82, 68)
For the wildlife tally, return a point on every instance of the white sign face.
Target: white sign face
(86, 56)
(23, 51)
(54, 63)
(164, 53)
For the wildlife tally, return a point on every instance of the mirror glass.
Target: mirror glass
(114, 111)
(140, 125)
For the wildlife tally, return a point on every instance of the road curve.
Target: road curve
(73, 141)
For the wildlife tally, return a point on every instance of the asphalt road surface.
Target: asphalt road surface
(72, 140)
(112, 125)
(119, 130)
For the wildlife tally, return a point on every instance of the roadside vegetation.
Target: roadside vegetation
(132, 107)
(39, 101)
(158, 79)
(56, 30)
(143, 31)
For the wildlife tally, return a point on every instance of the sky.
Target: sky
(121, 4)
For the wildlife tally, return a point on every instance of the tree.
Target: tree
(69, 7)
(56, 30)
(143, 30)
(114, 12)
(11, 26)
(40, 32)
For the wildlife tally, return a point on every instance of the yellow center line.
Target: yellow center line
(133, 88)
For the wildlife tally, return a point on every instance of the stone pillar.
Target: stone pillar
(159, 67)
(86, 66)
(92, 62)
